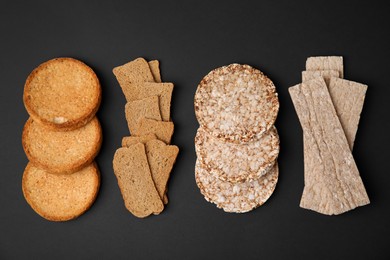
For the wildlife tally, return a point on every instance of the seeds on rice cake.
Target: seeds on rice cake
(236, 197)
(237, 162)
(236, 103)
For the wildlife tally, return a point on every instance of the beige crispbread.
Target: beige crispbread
(333, 186)
(143, 108)
(326, 74)
(237, 162)
(130, 140)
(235, 197)
(58, 151)
(236, 103)
(326, 63)
(59, 197)
(146, 89)
(62, 93)
(135, 181)
(155, 69)
(163, 130)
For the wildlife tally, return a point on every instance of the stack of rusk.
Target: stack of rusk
(237, 144)
(329, 108)
(144, 162)
(61, 139)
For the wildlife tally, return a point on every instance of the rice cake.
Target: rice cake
(236, 103)
(143, 108)
(235, 197)
(333, 186)
(326, 63)
(237, 162)
(154, 66)
(163, 130)
(326, 74)
(59, 197)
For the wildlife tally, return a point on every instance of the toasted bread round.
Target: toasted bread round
(236, 103)
(236, 197)
(61, 151)
(59, 197)
(62, 93)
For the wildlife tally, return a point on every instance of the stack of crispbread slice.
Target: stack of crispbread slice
(329, 108)
(61, 138)
(237, 144)
(144, 162)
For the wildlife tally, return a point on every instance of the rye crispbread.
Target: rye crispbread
(163, 130)
(135, 181)
(154, 66)
(326, 74)
(59, 197)
(61, 151)
(326, 63)
(130, 140)
(143, 108)
(333, 185)
(235, 197)
(62, 93)
(236, 103)
(237, 162)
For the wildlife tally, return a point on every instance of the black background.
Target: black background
(191, 38)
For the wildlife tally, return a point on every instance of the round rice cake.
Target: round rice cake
(62, 93)
(236, 197)
(61, 151)
(59, 197)
(237, 162)
(236, 103)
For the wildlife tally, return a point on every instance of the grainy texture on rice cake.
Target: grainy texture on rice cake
(237, 162)
(326, 74)
(333, 185)
(143, 108)
(326, 63)
(235, 197)
(236, 103)
(155, 69)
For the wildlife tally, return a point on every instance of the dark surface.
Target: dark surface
(190, 40)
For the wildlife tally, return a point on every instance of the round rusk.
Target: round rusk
(236, 197)
(236, 103)
(237, 162)
(59, 197)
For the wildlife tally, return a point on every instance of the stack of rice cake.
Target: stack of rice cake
(329, 108)
(237, 144)
(144, 162)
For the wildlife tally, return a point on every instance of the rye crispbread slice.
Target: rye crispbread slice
(59, 197)
(334, 185)
(130, 140)
(326, 63)
(237, 162)
(154, 66)
(61, 151)
(163, 130)
(63, 94)
(236, 103)
(235, 197)
(326, 74)
(135, 181)
(143, 108)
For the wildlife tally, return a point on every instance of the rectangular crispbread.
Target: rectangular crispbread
(163, 130)
(326, 74)
(154, 66)
(144, 108)
(332, 180)
(326, 63)
(135, 181)
(130, 140)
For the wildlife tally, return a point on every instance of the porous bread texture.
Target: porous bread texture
(235, 197)
(237, 162)
(135, 181)
(326, 63)
(326, 74)
(236, 103)
(333, 185)
(163, 130)
(59, 151)
(62, 93)
(143, 108)
(154, 66)
(130, 140)
(59, 197)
